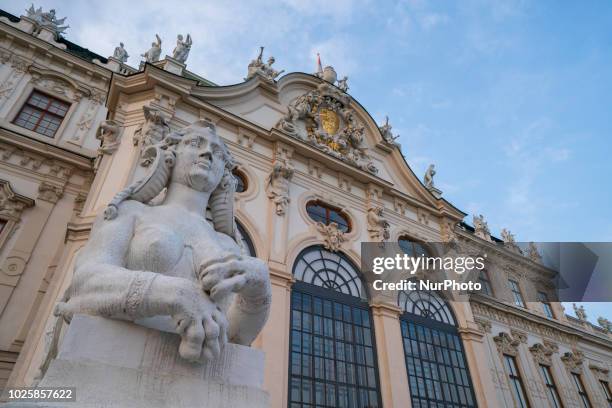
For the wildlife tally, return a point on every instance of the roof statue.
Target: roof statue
(533, 253)
(181, 51)
(343, 85)
(325, 119)
(509, 241)
(388, 137)
(47, 20)
(428, 178)
(580, 313)
(265, 70)
(153, 53)
(481, 228)
(605, 324)
(120, 53)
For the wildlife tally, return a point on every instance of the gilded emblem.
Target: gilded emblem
(329, 121)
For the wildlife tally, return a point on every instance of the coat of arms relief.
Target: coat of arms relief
(323, 118)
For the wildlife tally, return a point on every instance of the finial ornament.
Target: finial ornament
(329, 74)
(181, 51)
(265, 70)
(153, 53)
(509, 241)
(120, 53)
(48, 20)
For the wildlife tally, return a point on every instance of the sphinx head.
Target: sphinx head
(201, 159)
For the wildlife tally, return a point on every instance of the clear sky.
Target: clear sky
(510, 99)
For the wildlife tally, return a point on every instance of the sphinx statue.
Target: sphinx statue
(166, 265)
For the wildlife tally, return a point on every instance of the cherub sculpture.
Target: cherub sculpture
(166, 265)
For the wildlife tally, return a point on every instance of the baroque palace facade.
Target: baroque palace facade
(316, 177)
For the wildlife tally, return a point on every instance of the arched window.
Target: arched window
(246, 239)
(332, 360)
(327, 214)
(438, 374)
(412, 247)
(241, 181)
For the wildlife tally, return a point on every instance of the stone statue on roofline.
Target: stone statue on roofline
(46, 20)
(481, 227)
(265, 70)
(153, 53)
(428, 179)
(120, 53)
(166, 262)
(181, 51)
(533, 253)
(580, 312)
(387, 134)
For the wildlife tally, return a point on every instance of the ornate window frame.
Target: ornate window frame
(508, 344)
(12, 207)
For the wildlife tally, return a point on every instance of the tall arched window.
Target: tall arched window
(438, 374)
(332, 360)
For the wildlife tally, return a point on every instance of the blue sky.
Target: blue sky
(510, 99)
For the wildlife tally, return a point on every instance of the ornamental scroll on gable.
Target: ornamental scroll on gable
(323, 118)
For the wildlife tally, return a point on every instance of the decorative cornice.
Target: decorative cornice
(483, 324)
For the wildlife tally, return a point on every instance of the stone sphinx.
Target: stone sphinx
(166, 266)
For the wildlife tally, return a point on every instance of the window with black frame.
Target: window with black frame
(551, 387)
(516, 382)
(606, 390)
(584, 397)
(332, 361)
(438, 374)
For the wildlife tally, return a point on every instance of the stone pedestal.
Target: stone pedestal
(120, 364)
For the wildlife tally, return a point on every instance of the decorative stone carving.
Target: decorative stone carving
(13, 266)
(580, 312)
(506, 344)
(120, 53)
(447, 229)
(378, 226)
(167, 267)
(509, 241)
(153, 53)
(47, 20)
(109, 132)
(484, 325)
(387, 135)
(519, 335)
(343, 84)
(332, 236)
(605, 324)
(573, 361)
(533, 253)
(481, 228)
(542, 354)
(428, 178)
(154, 129)
(264, 70)
(277, 185)
(50, 192)
(323, 118)
(181, 51)
(11, 203)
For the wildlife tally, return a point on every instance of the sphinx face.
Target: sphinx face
(200, 161)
